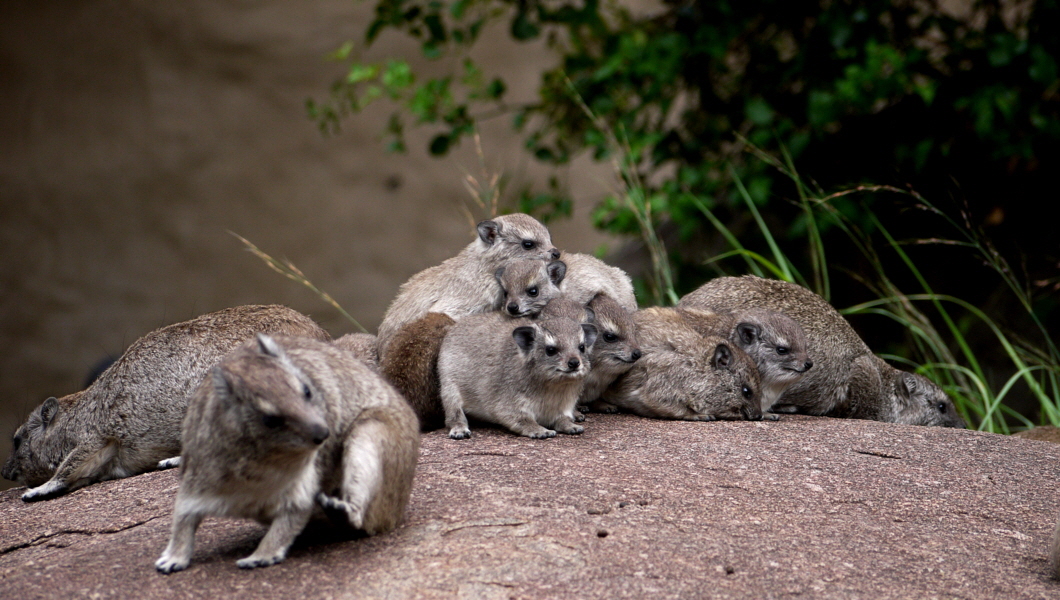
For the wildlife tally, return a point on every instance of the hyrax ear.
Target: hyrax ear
(48, 411)
(590, 315)
(221, 386)
(907, 385)
(557, 270)
(722, 357)
(590, 333)
(524, 337)
(748, 333)
(498, 274)
(488, 232)
(268, 346)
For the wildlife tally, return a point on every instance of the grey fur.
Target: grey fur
(129, 419)
(466, 284)
(616, 349)
(363, 346)
(528, 284)
(847, 379)
(588, 276)
(772, 339)
(282, 428)
(520, 373)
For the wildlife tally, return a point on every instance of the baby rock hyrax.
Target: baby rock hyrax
(466, 284)
(588, 276)
(283, 427)
(520, 373)
(847, 379)
(129, 419)
(527, 285)
(411, 366)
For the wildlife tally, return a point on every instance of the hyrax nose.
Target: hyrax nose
(573, 364)
(319, 433)
(806, 367)
(635, 355)
(555, 253)
(513, 309)
(751, 412)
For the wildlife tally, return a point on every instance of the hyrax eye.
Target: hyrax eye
(532, 292)
(528, 244)
(782, 350)
(551, 350)
(581, 348)
(747, 393)
(941, 407)
(610, 337)
(17, 442)
(272, 421)
(308, 393)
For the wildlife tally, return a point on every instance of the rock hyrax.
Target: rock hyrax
(615, 350)
(411, 366)
(362, 345)
(528, 284)
(281, 427)
(588, 276)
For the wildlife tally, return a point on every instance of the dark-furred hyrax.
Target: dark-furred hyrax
(129, 419)
(466, 284)
(520, 373)
(284, 428)
(411, 366)
(772, 339)
(683, 374)
(588, 276)
(847, 379)
(528, 284)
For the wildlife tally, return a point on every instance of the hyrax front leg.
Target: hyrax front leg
(84, 465)
(524, 423)
(565, 424)
(362, 475)
(181, 540)
(453, 404)
(273, 547)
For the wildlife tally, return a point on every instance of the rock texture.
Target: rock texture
(633, 508)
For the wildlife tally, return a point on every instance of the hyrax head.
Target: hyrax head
(529, 284)
(729, 388)
(556, 348)
(566, 307)
(39, 446)
(515, 236)
(616, 344)
(274, 406)
(776, 343)
(920, 402)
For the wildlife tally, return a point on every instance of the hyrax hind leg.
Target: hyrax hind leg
(362, 475)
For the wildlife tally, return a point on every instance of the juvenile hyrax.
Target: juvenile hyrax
(411, 366)
(847, 379)
(466, 284)
(773, 340)
(284, 426)
(520, 373)
(130, 418)
(361, 345)
(616, 348)
(588, 276)
(528, 284)
(686, 375)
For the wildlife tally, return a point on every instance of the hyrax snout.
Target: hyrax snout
(287, 427)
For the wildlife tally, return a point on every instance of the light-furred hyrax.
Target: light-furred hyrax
(616, 349)
(361, 345)
(466, 284)
(772, 339)
(130, 418)
(528, 284)
(588, 276)
(287, 427)
(847, 379)
(411, 366)
(520, 373)
(685, 375)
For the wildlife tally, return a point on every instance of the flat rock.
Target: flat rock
(633, 508)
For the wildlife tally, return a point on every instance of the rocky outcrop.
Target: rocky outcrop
(633, 508)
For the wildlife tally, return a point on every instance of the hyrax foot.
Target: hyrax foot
(603, 407)
(169, 463)
(565, 425)
(578, 416)
(459, 433)
(542, 434)
(252, 562)
(49, 490)
(167, 565)
(340, 510)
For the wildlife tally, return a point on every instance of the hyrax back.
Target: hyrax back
(846, 380)
(466, 283)
(130, 417)
(685, 375)
(773, 340)
(363, 346)
(520, 373)
(411, 366)
(528, 284)
(284, 426)
(588, 276)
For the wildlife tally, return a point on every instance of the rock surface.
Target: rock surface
(634, 508)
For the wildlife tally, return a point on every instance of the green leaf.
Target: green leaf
(440, 144)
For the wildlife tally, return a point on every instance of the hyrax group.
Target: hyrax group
(270, 419)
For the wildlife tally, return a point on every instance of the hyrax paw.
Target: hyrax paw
(459, 433)
(543, 434)
(340, 510)
(167, 565)
(251, 562)
(578, 417)
(571, 429)
(169, 463)
(47, 491)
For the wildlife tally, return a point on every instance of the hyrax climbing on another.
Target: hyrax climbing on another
(686, 375)
(129, 419)
(847, 379)
(772, 339)
(528, 284)
(411, 366)
(588, 276)
(520, 373)
(361, 345)
(284, 426)
(466, 284)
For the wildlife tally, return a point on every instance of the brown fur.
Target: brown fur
(411, 366)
